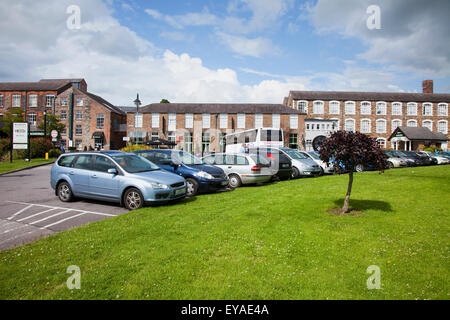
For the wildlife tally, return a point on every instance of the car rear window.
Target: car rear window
(65, 161)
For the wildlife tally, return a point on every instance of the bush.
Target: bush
(39, 147)
(432, 149)
(4, 147)
(133, 147)
(54, 153)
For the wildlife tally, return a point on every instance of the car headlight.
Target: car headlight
(156, 185)
(203, 174)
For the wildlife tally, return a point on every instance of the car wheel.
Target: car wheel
(359, 168)
(235, 181)
(390, 165)
(192, 187)
(133, 199)
(65, 193)
(295, 173)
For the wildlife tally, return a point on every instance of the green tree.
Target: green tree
(165, 101)
(53, 123)
(10, 116)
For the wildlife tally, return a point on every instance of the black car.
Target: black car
(421, 161)
(281, 164)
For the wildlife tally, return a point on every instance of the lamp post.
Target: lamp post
(137, 102)
(45, 124)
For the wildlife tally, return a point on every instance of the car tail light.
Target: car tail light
(256, 168)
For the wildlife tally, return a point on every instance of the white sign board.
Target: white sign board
(70, 143)
(126, 138)
(20, 146)
(54, 134)
(20, 132)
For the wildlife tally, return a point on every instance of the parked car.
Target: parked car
(314, 155)
(393, 161)
(411, 162)
(280, 163)
(302, 166)
(420, 160)
(241, 168)
(199, 176)
(439, 158)
(114, 176)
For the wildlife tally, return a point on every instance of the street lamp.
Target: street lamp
(137, 102)
(45, 124)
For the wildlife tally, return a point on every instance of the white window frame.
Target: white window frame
(318, 107)
(33, 115)
(428, 121)
(411, 109)
(442, 107)
(369, 129)
(33, 100)
(301, 109)
(276, 120)
(383, 129)
(155, 120)
(411, 121)
(189, 120)
(338, 123)
(347, 121)
(424, 108)
(64, 101)
(49, 100)
(445, 122)
(392, 124)
(14, 99)
(383, 106)
(241, 120)
(362, 108)
(223, 121)
(206, 120)
(384, 142)
(336, 104)
(259, 118)
(350, 104)
(79, 102)
(78, 112)
(172, 122)
(138, 119)
(293, 121)
(394, 106)
(1, 100)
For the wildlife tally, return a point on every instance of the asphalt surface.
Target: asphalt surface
(29, 209)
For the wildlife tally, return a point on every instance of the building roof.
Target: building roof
(370, 96)
(217, 108)
(48, 85)
(419, 133)
(104, 103)
(127, 109)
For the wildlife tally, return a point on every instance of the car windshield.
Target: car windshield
(187, 158)
(314, 155)
(134, 164)
(294, 154)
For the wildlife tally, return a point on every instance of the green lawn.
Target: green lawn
(263, 242)
(19, 164)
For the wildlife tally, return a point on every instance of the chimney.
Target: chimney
(427, 86)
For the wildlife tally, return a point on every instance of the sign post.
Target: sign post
(20, 138)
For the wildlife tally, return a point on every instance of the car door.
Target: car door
(217, 160)
(101, 183)
(163, 160)
(79, 174)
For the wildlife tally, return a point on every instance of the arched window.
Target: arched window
(381, 108)
(381, 142)
(318, 107)
(365, 126)
(411, 123)
(396, 108)
(427, 109)
(396, 123)
(350, 107)
(381, 126)
(411, 109)
(366, 108)
(302, 106)
(442, 109)
(427, 124)
(334, 107)
(350, 125)
(443, 126)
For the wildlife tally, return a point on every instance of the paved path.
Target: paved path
(29, 209)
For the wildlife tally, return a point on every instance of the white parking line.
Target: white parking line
(54, 215)
(20, 211)
(34, 215)
(45, 206)
(17, 236)
(14, 229)
(65, 219)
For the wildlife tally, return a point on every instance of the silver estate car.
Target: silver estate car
(241, 168)
(314, 155)
(114, 176)
(301, 164)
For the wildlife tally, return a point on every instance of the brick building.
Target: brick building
(199, 128)
(377, 114)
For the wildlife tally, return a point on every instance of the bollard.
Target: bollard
(46, 156)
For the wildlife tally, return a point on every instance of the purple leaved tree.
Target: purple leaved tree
(345, 150)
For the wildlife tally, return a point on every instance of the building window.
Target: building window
(138, 120)
(366, 108)
(78, 144)
(171, 136)
(49, 100)
(411, 109)
(63, 102)
(334, 107)
(350, 125)
(381, 126)
(428, 124)
(79, 115)
(335, 124)
(276, 121)
(32, 119)
(79, 102)
(443, 126)
(241, 120)
(350, 107)
(15, 101)
(381, 108)
(172, 122)
(206, 120)
(188, 120)
(396, 123)
(427, 109)
(155, 120)
(101, 121)
(32, 100)
(78, 130)
(365, 126)
(63, 115)
(381, 143)
(154, 136)
(293, 121)
(206, 140)
(442, 109)
(309, 146)
(223, 121)
(411, 123)
(188, 142)
(1, 100)
(258, 120)
(293, 141)
(302, 106)
(318, 107)
(396, 109)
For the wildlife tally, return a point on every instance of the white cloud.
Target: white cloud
(203, 18)
(255, 47)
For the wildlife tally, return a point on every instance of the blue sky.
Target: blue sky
(230, 50)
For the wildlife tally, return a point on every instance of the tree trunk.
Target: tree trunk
(345, 208)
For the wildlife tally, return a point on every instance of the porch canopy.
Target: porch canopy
(408, 136)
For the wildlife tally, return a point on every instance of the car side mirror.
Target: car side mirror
(112, 171)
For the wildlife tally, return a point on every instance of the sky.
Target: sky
(228, 51)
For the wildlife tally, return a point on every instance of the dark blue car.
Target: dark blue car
(199, 176)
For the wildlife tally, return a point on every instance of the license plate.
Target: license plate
(180, 191)
(285, 165)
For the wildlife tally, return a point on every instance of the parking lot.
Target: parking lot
(30, 210)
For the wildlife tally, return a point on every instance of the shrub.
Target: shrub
(4, 146)
(54, 153)
(39, 147)
(133, 147)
